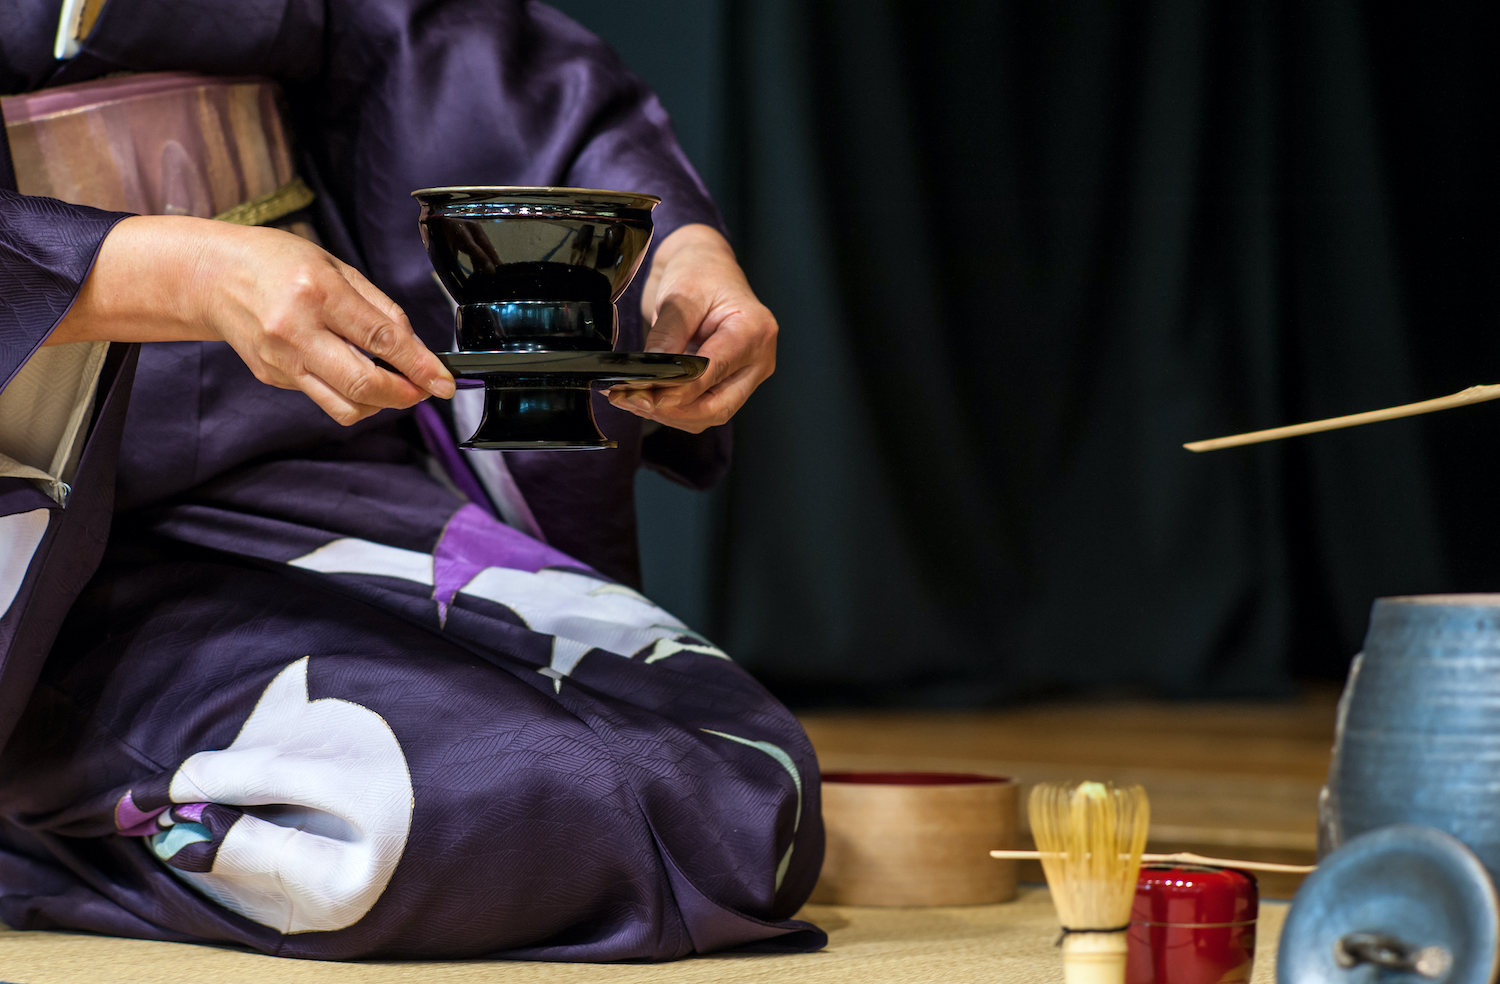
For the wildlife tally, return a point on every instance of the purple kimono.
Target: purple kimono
(272, 682)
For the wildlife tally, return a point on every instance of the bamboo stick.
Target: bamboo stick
(1474, 394)
(1181, 857)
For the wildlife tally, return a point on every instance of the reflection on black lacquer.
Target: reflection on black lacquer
(535, 270)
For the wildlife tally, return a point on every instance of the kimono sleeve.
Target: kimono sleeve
(509, 92)
(47, 249)
(49, 551)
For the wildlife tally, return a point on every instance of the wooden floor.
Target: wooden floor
(1236, 779)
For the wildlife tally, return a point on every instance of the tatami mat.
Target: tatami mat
(1236, 779)
(1009, 943)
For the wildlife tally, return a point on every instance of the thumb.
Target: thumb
(677, 321)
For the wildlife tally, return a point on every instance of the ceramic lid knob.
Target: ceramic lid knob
(1404, 902)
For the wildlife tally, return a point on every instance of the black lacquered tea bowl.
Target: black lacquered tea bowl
(536, 273)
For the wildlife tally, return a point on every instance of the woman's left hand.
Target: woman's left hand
(698, 301)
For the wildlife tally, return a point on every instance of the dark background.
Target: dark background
(1020, 251)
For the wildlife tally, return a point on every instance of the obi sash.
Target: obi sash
(161, 143)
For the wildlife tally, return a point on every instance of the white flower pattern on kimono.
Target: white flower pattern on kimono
(20, 535)
(582, 612)
(327, 799)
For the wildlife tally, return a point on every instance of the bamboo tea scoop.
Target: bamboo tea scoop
(1182, 857)
(1474, 394)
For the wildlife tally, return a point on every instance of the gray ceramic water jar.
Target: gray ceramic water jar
(1418, 736)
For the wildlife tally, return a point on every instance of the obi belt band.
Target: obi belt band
(161, 143)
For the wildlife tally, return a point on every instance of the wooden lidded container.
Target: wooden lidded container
(916, 838)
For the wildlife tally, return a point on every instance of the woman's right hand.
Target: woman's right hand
(299, 317)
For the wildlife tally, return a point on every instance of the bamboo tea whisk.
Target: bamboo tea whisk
(1090, 837)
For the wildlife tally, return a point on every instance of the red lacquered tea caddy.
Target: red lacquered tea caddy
(1192, 925)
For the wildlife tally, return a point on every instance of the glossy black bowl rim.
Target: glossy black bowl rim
(521, 195)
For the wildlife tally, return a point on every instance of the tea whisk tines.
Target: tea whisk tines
(1090, 837)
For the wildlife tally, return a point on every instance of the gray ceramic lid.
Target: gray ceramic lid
(1402, 903)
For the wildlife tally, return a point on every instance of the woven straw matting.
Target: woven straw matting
(1010, 943)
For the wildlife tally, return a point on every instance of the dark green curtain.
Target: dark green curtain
(1437, 86)
(1021, 250)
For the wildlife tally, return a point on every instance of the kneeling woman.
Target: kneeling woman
(289, 673)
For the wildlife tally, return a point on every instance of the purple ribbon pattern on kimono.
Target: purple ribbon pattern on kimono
(171, 828)
(133, 821)
(474, 540)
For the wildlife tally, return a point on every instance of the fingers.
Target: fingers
(311, 331)
(727, 352)
(709, 409)
(697, 296)
(700, 297)
(380, 327)
(335, 404)
(330, 370)
(481, 251)
(741, 354)
(719, 404)
(677, 321)
(694, 413)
